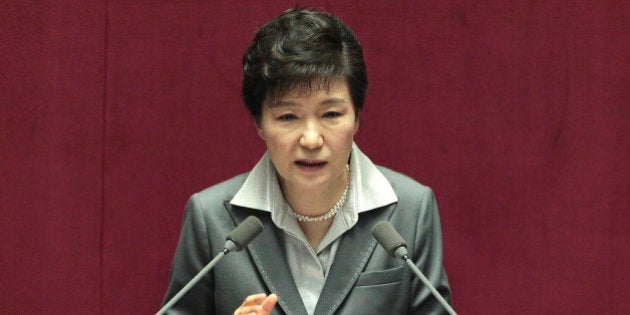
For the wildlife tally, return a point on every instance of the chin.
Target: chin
(312, 183)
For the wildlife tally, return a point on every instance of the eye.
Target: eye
(331, 114)
(287, 117)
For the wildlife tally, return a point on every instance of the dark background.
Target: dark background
(515, 112)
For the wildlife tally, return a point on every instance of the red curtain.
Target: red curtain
(516, 113)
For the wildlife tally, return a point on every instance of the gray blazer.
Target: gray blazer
(363, 279)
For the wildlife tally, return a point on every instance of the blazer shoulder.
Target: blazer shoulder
(404, 185)
(223, 191)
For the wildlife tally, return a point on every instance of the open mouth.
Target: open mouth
(310, 163)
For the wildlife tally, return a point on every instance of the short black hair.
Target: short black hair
(299, 49)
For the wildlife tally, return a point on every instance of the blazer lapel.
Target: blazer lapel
(354, 251)
(269, 257)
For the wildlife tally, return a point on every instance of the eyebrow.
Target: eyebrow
(326, 102)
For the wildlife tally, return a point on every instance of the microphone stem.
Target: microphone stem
(192, 282)
(428, 284)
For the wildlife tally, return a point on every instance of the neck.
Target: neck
(315, 202)
(315, 231)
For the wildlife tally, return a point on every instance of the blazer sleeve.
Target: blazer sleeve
(427, 252)
(191, 255)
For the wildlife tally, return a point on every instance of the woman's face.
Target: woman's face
(309, 135)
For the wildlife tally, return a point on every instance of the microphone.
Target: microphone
(395, 245)
(392, 242)
(243, 234)
(235, 241)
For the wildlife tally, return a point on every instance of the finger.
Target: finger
(253, 310)
(254, 299)
(269, 303)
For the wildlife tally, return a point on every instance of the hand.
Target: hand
(257, 304)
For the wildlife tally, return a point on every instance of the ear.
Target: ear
(257, 125)
(260, 131)
(356, 126)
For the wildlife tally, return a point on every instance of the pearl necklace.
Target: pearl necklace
(331, 212)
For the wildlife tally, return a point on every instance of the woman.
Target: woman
(316, 193)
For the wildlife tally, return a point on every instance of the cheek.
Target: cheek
(342, 141)
(350, 133)
(277, 141)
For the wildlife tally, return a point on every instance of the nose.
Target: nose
(311, 138)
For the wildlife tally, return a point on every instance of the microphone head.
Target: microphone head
(245, 233)
(389, 238)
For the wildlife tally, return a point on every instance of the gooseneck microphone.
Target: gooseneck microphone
(235, 241)
(393, 243)
(243, 234)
